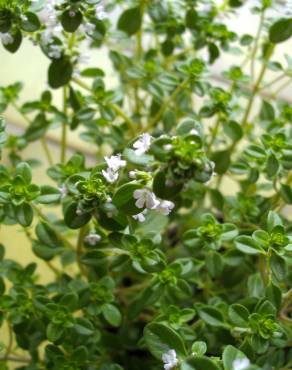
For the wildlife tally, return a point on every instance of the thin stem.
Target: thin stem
(115, 107)
(163, 107)
(64, 126)
(10, 342)
(256, 88)
(48, 221)
(79, 252)
(15, 359)
(273, 81)
(256, 44)
(43, 139)
(214, 134)
(281, 87)
(140, 32)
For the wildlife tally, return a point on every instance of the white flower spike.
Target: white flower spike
(241, 364)
(92, 239)
(140, 216)
(6, 38)
(145, 198)
(143, 144)
(170, 360)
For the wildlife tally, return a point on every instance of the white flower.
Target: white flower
(110, 175)
(79, 211)
(140, 216)
(194, 132)
(63, 190)
(92, 238)
(6, 38)
(88, 28)
(50, 33)
(169, 359)
(55, 51)
(167, 147)
(145, 198)
(240, 364)
(142, 144)
(132, 174)
(115, 162)
(165, 207)
(100, 13)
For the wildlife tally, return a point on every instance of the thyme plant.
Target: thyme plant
(178, 225)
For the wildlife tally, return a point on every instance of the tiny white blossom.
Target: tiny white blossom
(92, 238)
(89, 28)
(110, 175)
(79, 211)
(140, 216)
(115, 162)
(240, 364)
(145, 198)
(170, 360)
(100, 13)
(142, 144)
(165, 207)
(167, 147)
(194, 131)
(132, 174)
(6, 38)
(55, 51)
(72, 13)
(63, 190)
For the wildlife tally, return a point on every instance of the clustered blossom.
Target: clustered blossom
(6, 38)
(241, 364)
(92, 238)
(114, 164)
(63, 191)
(55, 51)
(146, 198)
(143, 144)
(100, 12)
(169, 359)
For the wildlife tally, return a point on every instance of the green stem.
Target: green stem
(15, 359)
(64, 126)
(10, 342)
(256, 44)
(140, 32)
(256, 88)
(163, 107)
(283, 86)
(115, 107)
(273, 81)
(214, 134)
(43, 139)
(79, 251)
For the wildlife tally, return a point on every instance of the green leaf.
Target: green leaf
(278, 267)
(211, 315)
(238, 315)
(286, 193)
(71, 20)
(30, 22)
(54, 332)
(199, 363)
(160, 338)
(199, 348)
(73, 220)
(111, 314)
(23, 170)
(272, 165)
(222, 161)
(47, 235)
(130, 21)
(124, 200)
(17, 39)
(281, 30)
(60, 72)
(247, 245)
(49, 195)
(273, 220)
(24, 214)
(231, 354)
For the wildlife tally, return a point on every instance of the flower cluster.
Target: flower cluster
(114, 163)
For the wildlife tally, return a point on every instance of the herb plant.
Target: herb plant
(178, 226)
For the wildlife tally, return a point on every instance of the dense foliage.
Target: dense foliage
(179, 232)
